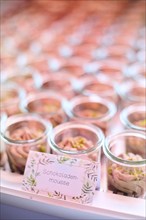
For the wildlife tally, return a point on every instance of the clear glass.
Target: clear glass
(47, 104)
(93, 85)
(136, 71)
(110, 69)
(72, 68)
(131, 92)
(122, 51)
(27, 78)
(126, 163)
(85, 49)
(92, 110)
(3, 118)
(77, 139)
(11, 95)
(22, 133)
(61, 82)
(134, 117)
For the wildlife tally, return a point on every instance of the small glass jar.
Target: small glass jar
(134, 117)
(22, 133)
(111, 69)
(47, 104)
(84, 50)
(131, 92)
(40, 64)
(135, 71)
(72, 68)
(11, 95)
(126, 163)
(27, 78)
(61, 82)
(92, 110)
(77, 139)
(3, 118)
(111, 53)
(119, 50)
(90, 85)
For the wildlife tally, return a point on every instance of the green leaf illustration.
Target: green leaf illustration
(31, 180)
(92, 176)
(87, 188)
(62, 160)
(45, 161)
(78, 197)
(49, 195)
(59, 195)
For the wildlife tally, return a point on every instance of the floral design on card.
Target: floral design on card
(60, 177)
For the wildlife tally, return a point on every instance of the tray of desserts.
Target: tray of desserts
(75, 86)
(118, 183)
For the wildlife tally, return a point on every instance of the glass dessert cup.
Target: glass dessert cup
(22, 133)
(84, 50)
(27, 78)
(11, 95)
(131, 92)
(90, 85)
(72, 68)
(110, 69)
(41, 65)
(3, 118)
(126, 163)
(134, 117)
(92, 110)
(136, 71)
(47, 104)
(119, 50)
(61, 82)
(77, 139)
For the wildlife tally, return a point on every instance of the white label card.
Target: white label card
(60, 177)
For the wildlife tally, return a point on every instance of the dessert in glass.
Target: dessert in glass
(72, 68)
(136, 71)
(131, 92)
(134, 117)
(54, 82)
(11, 95)
(77, 139)
(47, 104)
(101, 87)
(84, 50)
(22, 133)
(126, 163)
(113, 53)
(91, 109)
(27, 78)
(111, 69)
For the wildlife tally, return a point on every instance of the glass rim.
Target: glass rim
(123, 93)
(110, 88)
(27, 71)
(43, 94)
(129, 110)
(70, 125)
(69, 106)
(21, 93)
(118, 160)
(27, 116)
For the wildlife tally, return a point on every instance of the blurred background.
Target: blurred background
(56, 50)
